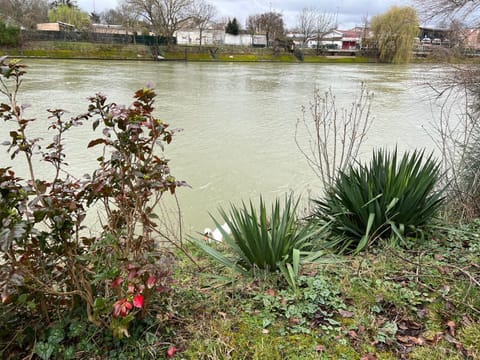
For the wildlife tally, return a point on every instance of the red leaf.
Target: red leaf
(116, 282)
(171, 352)
(121, 308)
(151, 282)
(132, 274)
(138, 301)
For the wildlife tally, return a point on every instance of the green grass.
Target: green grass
(79, 50)
(76, 50)
(398, 304)
(340, 59)
(387, 304)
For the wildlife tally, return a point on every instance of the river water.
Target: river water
(238, 119)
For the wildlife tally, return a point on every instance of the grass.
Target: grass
(412, 304)
(76, 50)
(385, 304)
(84, 50)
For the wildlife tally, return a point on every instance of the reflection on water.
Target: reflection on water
(238, 119)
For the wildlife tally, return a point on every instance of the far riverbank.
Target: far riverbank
(86, 50)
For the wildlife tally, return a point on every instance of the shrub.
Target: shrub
(9, 36)
(389, 197)
(258, 240)
(49, 264)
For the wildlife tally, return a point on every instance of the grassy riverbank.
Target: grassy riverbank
(388, 304)
(84, 50)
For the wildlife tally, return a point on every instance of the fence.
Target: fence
(95, 37)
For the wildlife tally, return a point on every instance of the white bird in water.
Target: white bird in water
(216, 234)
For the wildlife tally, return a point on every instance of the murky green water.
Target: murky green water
(238, 120)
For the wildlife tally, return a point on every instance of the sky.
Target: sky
(349, 13)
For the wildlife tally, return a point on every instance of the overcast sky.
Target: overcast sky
(350, 12)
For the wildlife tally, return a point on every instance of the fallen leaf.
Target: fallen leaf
(451, 327)
(293, 321)
(369, 357)
(422, 313)
(353, 334)
(271, 292)
(454, 341)
(410, 340)
(438, 256)
(432, 337)
(405, 340)
(346, 314)
(320, 348)
(223, 315)
(466, 321)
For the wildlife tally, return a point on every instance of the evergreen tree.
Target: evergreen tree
(232, 27)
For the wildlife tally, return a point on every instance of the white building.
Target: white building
(188, 36)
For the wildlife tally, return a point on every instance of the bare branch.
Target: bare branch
(334, 136)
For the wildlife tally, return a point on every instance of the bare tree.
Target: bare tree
(456, 134)
(202, 14)
(24, 13)
(164, 16)
(313, 23)
(125, 15)
(467, 10)
(306, 23)
(69, 3)
(269, 23)
(330, 138)
(457, 129)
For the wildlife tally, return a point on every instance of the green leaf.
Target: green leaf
(44, 350)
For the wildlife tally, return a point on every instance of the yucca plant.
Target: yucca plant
(391, 197)
(261, 240)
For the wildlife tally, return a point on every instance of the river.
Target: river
(238, 119)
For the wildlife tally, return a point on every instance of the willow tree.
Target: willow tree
(394, 32)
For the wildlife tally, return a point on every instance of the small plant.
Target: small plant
(264, 241)
(330, 137)
(316, 304)
(390, 197)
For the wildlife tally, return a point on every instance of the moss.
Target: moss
(80, 50)
(199, 57)
(237, 57)
(333, 59)
(470, 338)
(440, 351)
